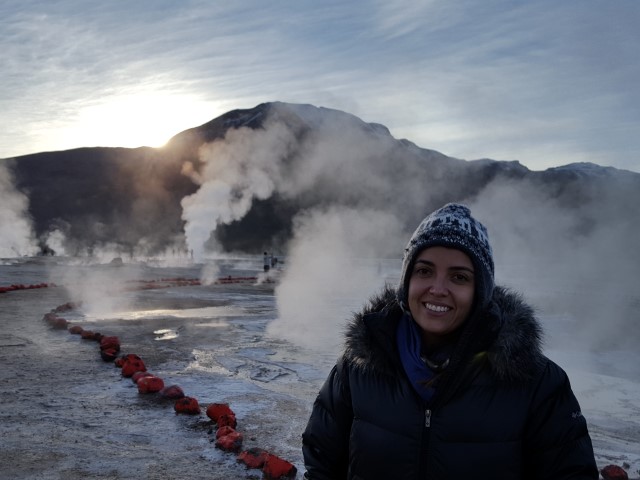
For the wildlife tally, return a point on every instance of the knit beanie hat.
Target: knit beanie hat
(451, 226)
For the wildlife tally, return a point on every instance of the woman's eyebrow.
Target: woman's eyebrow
(466, 269)
(431, 264)
(426, 262)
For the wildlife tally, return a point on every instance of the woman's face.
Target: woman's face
(441, 290)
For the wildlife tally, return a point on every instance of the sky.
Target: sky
(544, 82)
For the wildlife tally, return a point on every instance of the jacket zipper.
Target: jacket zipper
(424, 447)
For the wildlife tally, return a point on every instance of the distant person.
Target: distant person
(274, 261)
(444, 377)
(266, 260)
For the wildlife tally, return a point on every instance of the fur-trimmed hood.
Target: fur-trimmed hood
(513, 354)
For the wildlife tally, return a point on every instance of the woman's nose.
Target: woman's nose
(438, 287)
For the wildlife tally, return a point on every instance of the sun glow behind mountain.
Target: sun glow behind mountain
(135, 119)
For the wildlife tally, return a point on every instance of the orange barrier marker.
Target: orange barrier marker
(231, 442)
(253, 457)
(139, 375)
(76, 329)
(172, 392)
(110, 342)
(275, 468)
(150, 384)
(187, 405)
(108, 354)
(222, 431)
(216, 410)
(132, 366)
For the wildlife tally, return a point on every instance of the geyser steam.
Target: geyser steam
(243, 167)
(16, 233)
(361, 193)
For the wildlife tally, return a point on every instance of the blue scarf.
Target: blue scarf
(409, 344)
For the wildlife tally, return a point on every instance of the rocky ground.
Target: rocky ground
(66, 414)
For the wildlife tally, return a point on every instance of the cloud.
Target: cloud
(522, 83)
(546, 83)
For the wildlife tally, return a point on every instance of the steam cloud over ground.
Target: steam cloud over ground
(362, 197)
(355, 193)
(16, 234)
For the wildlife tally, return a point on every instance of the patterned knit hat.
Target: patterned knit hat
(451, 226)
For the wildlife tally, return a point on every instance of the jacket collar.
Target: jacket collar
(514, 352)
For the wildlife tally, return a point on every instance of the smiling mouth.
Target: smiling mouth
(436, 308)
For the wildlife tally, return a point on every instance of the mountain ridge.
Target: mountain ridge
(133, 199)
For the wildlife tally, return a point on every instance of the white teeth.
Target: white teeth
(436, 308)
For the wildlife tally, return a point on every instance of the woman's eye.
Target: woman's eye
(461, 278)
(422, 271)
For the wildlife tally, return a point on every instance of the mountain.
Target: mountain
(240, 181)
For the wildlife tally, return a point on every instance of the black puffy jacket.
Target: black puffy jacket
(504, 411)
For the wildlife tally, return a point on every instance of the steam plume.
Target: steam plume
(16, 234)
(361, 195)
(246, 166)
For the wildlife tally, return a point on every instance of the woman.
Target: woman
(445, 377)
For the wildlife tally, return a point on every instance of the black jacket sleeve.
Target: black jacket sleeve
(325, 441)
(557, 444)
